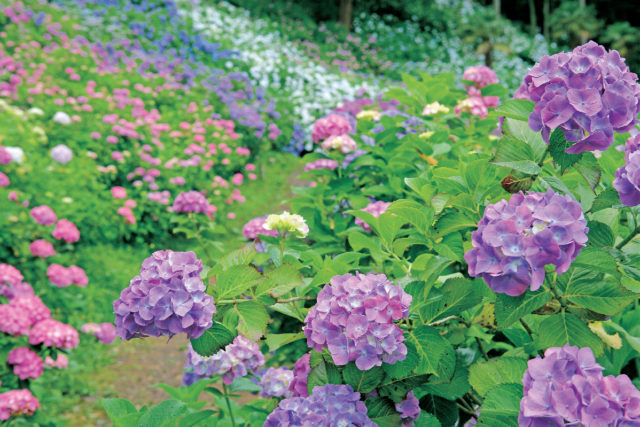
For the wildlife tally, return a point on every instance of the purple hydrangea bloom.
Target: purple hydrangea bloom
(191, 201)
(167, 298)
(321, 164)
(237, 359)
(61, 154)
(328, 405)
(196, 367)
(376, 209)
(627, 178)
(254, 227)
(589, 93)
(275, 382)
(516, 239)
(354, 318)
(301, 369)
(409, 410)
(567, 385)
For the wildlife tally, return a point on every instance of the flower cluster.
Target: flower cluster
(332, 125)
(321, 164)
(286, 224)
(62, 276)
(196, 367)
(567, 385)
(301, 369)
(516, 239)
(237, 359)
(167, 298)
(42, 249)
(61, 154)
(252, 229)
(10, 275)
(343, 143)
(32, 306)
(328, 405)
(17, 402)
(26, 363)
(409, 409)
(434, 108)
(104, 332)
(354, 318)
(44, 215)
(627, 178)
(67, 231)
(51, 333)
(61, 362)
(477, 104)
(275, 383)
(589, 93)
(191, 201)
(15, 321)
(480, 76)
(376, 209)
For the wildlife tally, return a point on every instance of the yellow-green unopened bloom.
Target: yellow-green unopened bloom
(286, 223)
(434, 108)
(369, 115)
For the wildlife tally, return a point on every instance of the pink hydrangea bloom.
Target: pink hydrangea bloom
(119, 192)
(343, 143)
(17, 402)
(254, 227)
(67, 231)
(51, 333)
(4, 180)
(5, 156)
(44, 215)
(105, 332)
(376, 209)
(332, 125)
(42, 249)
(480, 75)
(33, 307)
(10, 275)
(78, 276)
(321, 164)
(59, 275)
(61, 362)
(26, 363)
(191, 201)
(15, 321)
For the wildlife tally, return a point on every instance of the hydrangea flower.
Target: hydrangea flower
(286, 224)
(434, 108)
(4, 180)
(118, 192)
(32, 306)
(301, 369)
(480, 75)
(10, 275)
(376, 209)
(104, 332)
(516, 239)
(627, 178)
(237, 359)
(51, 333)
(5, 157)
(332, 125)
(61, 154)
(589, 93)
(78, 276)
(196, 367)
(61, 362)
(59, 275)
(44, 215)
(15, 320)
(354, 319)
(343, 143)
(26, 363)
(62, 118)
(167, 298)
(321, 164)
(275, 383)
(67, 231)
(255, 227)
(42, 249)
(328, 405)
(17, 402)
(409, 409)
(567, 385)
(191, 201)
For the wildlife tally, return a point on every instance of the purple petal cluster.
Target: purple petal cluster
(301, 369)
(254, 227)
(376, 209)
(275, 382)
(191, 201)
(567, 385)
(627, 178)
(237, 359)
(354, 318)
(328, 405)
(589, 93)
(516, 239)
(167, 298)
(409, 409)
(321, 164)
(196, 367)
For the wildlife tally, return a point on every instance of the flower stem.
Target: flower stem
(226, 398)
(627, 239)
(544, 156)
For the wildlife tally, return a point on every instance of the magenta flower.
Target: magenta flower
(51, 333)
(32, 306)
(255, 227)
(332, 125)
(14, 403)
(191, 201)
(67, 231)
(321, 164)
(516, 239)
(59, 275)
(15, 320)
(42, 249)
(44, 215)
(480, 75)
(376, 209)
(301, 369)
(26, 363)
(61, 362)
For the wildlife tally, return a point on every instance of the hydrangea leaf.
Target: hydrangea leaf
(521, 131)
(390, 225)
(162, 412)
(597, 260)
(453, 388)
(605, 199)
(509, 309)
(455, 296)
(445, 410)
(485, 376)
(430, 347)
(236, 280)
(600, 235)
(397, 389)
(379, 409)
(280, 281)
(501, 406)
(589, 168)
(518, 109)
(404, 367)
(253, 319)
(323, 373)
(117, 408)
(275, 341)
(559, 329)
(362, 381)
(557, 146)
(212, 340)
(606, 297)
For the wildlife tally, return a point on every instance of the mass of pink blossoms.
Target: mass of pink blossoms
(26, 363)
(374, 208)
(477, 104)
(17, 402)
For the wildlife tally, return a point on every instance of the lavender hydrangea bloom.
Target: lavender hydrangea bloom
(321, 164)
(627, 178)
(255, 227)
(589, 93)
(516, 239)
(237, 359)
(409, 409)
(275, 382)
(328, 405)
(167, 298)
(354, 318)
(196, 367)
(61, 154)
(374, 208)
(567, 385)
(301, 369)
(191, 201)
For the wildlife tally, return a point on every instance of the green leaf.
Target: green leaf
(397, 389)
(604, 297)
(323, 373)
(445, 410)
(212, 340)
(430, 266)
(390, 225)
(557, 146)
(605, 199)
(117, 408)
(162, 412)
(280, 281)
(242, 256)
(589, 168)
(275, 341)
(382, 411)
(452, 389)
(430, 347)
(413, 212)
(556, 184)
(196, 418)
(501, 406)
(562, 328)
(513, 150)
(362, 381)
(521, 131)
(525, 166)
(253, 319)
(236, 280)
(494, 90)
(597, 260)
(485, 376)
(518, 109)
(452, 222)
(456, 295)
(427, 420)
(600, 235)
(510, 309)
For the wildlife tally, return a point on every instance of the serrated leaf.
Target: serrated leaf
(562, 328)
(452, 389)
(600, 235)
(485, 376)
(236, 280)
(117, 408)
(456, 294)
(321, 374)
(445, 410)
(193, 419)
(275, 341)
(390, 225)
(521, 131)
(606, 297)
(557, 146)
(518, 109)
(362, 381)
(501, 406)
(253, 319)
(605, 199)
(527, 167)
(212, 340)
(589, 168)
(597, 260)
(280, 281)
(162, 412)
(430, 347)
(510, 309)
